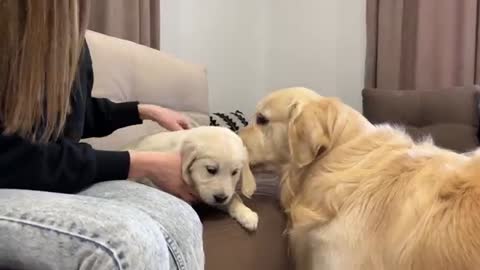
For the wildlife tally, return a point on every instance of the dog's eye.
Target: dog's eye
(234, 172)
(262, 120)
(212, 170)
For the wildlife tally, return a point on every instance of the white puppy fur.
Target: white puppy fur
(214, 160)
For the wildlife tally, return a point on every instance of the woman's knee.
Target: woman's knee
(178, 221)
(66, 231)
(139, 243)
(167, 210)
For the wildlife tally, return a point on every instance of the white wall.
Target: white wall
(251, 47)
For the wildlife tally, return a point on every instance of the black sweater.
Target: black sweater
(66, 165)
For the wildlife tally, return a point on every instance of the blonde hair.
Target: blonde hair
(39, 51)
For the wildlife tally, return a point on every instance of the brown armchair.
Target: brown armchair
(450, 116)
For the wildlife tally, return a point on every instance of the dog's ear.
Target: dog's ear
(308, 132)
(189, 154)
(249, 185)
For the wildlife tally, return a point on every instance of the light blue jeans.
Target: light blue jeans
(111, 225)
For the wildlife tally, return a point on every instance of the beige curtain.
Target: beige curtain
(422, 44)
(135, 20)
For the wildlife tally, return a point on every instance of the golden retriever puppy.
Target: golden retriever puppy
(360, 196)
(214, 160)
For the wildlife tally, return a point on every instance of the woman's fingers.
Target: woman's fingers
(184, 124)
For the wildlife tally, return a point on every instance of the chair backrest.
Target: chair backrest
(449, 116)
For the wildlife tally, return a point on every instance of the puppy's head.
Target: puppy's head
(292, 125)
(214, 160)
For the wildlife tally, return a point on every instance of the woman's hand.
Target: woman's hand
(167, 118)
(164, 170)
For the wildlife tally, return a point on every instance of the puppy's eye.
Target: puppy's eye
(212, 170)
(234, 172)
(262, 120)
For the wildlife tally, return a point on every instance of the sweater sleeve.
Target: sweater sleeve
(64, 166)
(102, 116)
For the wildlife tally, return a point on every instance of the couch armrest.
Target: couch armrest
(126, 71)
(449, 116)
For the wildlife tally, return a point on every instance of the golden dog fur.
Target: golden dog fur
(360, 196)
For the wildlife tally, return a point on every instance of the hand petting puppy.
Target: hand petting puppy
(166, 118)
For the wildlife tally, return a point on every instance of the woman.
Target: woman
(59, 208)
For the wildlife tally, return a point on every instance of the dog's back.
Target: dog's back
(413, 205)
(159, 142)
(172, 141)
(445, 233)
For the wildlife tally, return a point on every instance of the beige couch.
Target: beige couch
(126, 71)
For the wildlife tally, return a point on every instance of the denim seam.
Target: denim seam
(174, 249)
(106, 248)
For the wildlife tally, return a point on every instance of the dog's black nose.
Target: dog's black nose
(220, 198)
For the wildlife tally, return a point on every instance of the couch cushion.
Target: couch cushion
(229, 246)
(450, 116)
(126, 71)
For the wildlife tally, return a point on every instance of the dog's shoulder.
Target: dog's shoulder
(385, 134)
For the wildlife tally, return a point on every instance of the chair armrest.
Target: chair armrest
(449, 116)
(126, 71)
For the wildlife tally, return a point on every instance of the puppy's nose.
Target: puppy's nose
(220, 198)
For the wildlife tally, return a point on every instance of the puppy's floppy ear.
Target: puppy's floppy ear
(188, 152)
(249, 185)
(308, 132)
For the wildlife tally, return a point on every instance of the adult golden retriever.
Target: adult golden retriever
(360, 196)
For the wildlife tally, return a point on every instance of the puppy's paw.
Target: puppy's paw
(248, 219)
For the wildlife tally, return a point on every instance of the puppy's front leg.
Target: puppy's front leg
(240, 212)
